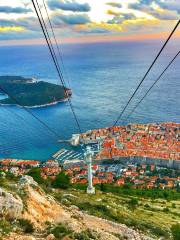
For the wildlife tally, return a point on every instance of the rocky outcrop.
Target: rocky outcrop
(11, 206)
(42, 208)
(26, 181)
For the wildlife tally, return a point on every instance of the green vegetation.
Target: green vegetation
(167, 194)
(154, 212)
(142, 213)
(149, 193)
(5, 228)
(29, 93)
(35, 173)
(62, 181)
(8, 181)
(8, 176)
(133, 203)
(86, 235)
(166, 172)
(62, 231)
(26, 225)
(176, 231)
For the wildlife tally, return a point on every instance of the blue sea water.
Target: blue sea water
(102, 77)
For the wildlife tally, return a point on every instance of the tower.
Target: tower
(88, 159)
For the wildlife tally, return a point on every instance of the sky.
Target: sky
(88, 20)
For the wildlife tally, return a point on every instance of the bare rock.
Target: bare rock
(50, 237)
(15, 236)
(27, 180)
(74, 208)
(11, 206)
(28, 238)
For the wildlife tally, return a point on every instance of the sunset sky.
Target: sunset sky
(88, 20)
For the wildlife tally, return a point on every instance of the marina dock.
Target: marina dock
(64, 155)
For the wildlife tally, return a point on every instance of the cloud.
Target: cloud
(121, 17)
(158, 9)
(113, 4)
(8, 9)
(111, 12)
(103, 26)
(21, 28)
(13, 34)
(5, 23)
(165, 15)
(72, 19)
(68, 5)
(11, 28)
(142, 5)
(30, 23)
(89, 29)
(169, 5)
(29, 28)
(142, 17)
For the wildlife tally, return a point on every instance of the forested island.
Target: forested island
(30, 92)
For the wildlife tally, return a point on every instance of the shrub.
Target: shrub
(166, 209)
(133, 203)
(176, 231)
(62, 181)
(60, 231)
(35, 173)
(26, 225)
(159, 232)
(147, 206)
(5, 227)
(119, 236)
(146, 193)
(173, 205)
(86, 235)
(79, 186)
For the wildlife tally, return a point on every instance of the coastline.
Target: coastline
(37, 106)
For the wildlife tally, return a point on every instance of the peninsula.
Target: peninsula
(30, 92)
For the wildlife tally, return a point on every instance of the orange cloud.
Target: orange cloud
(111, 27)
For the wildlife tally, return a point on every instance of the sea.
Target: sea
(102, 77)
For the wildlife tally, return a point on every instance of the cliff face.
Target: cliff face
(41, 208)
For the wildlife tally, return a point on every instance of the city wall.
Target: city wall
(175, 164)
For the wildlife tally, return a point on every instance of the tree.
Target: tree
(62, 181)
(102, 187)
(133, 203)
(176, 231)
(35, 173)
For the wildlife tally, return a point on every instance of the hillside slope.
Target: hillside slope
(43, 210)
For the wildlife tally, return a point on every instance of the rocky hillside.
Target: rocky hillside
(33, 214)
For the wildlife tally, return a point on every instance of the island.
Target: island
(31, 93)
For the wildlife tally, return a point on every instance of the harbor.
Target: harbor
(63, 154)
(136, 143)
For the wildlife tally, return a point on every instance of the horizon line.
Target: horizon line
(89, 39)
